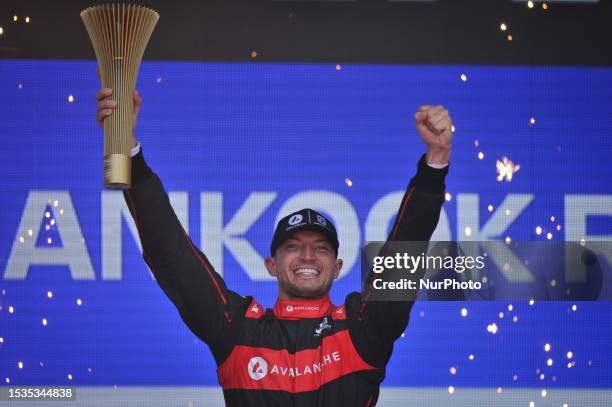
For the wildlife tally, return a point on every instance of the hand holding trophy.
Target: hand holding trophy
(119, 34)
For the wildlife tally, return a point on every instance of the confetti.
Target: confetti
(451, 389)
(70, 98)
(480, 155)
(464, 312)
(338, 67)
(463, 77)
(549, 362)
(468, 231)
(503, 27)
(547, 347)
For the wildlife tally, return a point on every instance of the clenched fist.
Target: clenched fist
(434, 125)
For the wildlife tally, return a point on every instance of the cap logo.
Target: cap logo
(321, 220)
(295, 219)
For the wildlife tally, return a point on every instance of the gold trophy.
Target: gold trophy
(119, 34)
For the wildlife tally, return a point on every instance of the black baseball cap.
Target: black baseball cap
(304, 220)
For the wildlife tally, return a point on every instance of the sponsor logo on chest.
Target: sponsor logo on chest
(258, 367)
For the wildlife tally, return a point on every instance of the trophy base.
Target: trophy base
(117, 171)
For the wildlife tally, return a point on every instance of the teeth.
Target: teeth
(307, 272)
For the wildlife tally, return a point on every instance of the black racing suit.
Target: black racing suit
(301, 353)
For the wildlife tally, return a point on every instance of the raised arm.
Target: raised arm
(211, 311)
(378, 324)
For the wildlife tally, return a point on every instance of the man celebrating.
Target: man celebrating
(305, 351)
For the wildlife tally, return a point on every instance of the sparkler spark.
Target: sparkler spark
(506, 169)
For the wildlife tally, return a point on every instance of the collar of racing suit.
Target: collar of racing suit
(297, 309)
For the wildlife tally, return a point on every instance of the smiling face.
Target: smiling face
(305, 266)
